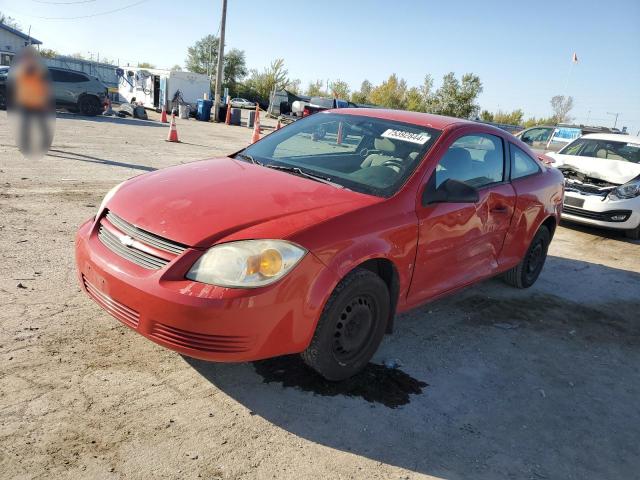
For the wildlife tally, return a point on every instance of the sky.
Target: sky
(521, 50)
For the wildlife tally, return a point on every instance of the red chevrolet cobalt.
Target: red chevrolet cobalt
(312, 239)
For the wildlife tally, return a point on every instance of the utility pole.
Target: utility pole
(616, 120)
(216, 101)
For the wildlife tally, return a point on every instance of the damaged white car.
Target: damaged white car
(602, 181)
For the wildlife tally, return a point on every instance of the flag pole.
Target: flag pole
(574, 60)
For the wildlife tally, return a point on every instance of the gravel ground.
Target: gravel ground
(494, 383)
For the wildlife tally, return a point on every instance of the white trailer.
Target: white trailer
(155, 88)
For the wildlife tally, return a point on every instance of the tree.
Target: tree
(391, 93)
(509, 118)
(561, 106)
(415, 100)
(235, 68)
(315, 89)
(202, 57)
(146, 65)
(275, 76)
(339, 89)
(486, 116)
(9, 21)
(176, 68)
(294, 86)
(362, 96)
(533, 121)
(78, 55)
(456, 98)
(48, 53)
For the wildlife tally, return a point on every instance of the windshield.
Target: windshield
(605, 149)
(364, 154)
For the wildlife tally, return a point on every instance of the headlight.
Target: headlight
(628, 190)
(108, 197)
(246, 264)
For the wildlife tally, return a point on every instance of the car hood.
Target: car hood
(200, 203)
(613, 171)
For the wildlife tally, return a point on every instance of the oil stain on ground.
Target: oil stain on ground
(376, 383)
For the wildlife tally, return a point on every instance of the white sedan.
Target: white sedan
(602, 181)
(242, 103)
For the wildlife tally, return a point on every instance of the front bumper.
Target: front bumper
(200, 320)
(602, 212)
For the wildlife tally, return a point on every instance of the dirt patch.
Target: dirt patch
(375, 384)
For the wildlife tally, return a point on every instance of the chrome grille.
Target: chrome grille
(144, 236)
(134, 255)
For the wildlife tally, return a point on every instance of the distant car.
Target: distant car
(552, 138)
(77, 91)
(72, 90)
(547, 138)
(602, 181)
(242, 103)
(304, 245)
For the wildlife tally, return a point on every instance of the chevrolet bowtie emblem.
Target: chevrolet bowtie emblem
(127, 240)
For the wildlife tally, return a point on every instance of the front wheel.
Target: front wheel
(527, 271)
(351, 326)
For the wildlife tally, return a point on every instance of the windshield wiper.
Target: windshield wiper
(248, 158)
(302, 173)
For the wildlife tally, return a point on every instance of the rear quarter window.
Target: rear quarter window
(522, 164)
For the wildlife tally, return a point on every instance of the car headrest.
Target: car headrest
(384, 144)
(456, 159)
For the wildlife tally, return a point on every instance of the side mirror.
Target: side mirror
(449, 191)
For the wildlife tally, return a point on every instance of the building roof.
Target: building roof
(20, 34)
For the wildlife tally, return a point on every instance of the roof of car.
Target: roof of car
(438, 122)
(614, 137)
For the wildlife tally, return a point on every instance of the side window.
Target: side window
(522, 164)
(537, 135)
(477, 160)
(573, 148)
(67, 77)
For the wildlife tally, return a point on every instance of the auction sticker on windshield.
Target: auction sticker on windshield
(419, 138)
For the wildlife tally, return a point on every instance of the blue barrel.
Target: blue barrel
(204, 110)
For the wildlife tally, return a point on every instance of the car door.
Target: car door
(459, 243)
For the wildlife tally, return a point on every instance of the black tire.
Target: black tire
(527, 271)
(90, 106)
(3, 101)
(351, 326)
(633, 234)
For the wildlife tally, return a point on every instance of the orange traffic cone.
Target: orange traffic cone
(163, 117)
(173, 131)
(227, 120)
(339, 136)
(256, 130)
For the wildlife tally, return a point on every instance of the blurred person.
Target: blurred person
(32, 101)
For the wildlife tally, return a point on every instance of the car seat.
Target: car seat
(385, 149)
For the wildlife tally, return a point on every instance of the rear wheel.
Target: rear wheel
(89, 105)
(351, 327)
(527, 271)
